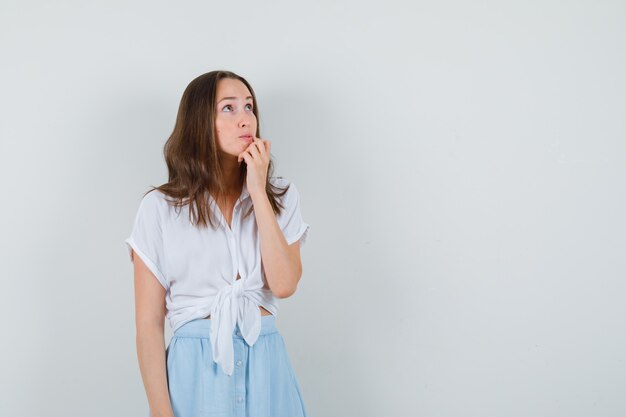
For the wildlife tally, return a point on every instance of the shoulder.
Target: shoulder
(154, 203)
(290, 199)
(281, 182)
(154, 197)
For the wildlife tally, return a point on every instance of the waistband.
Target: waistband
(202, 328)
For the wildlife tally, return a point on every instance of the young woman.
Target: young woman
(216, 247)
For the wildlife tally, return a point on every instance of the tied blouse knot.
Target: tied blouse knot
(198, 267)
(233, 306)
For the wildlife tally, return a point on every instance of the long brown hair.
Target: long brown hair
(191, 152)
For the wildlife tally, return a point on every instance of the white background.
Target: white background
(461, 165)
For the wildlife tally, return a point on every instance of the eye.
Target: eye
(230, 106)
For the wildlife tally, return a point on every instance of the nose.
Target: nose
(246, 120)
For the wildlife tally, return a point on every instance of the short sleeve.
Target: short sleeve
(290, 220)
(146, 238)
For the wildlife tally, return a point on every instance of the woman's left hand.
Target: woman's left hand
(257, 157)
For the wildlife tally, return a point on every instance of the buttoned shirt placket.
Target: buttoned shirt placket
(232, 305)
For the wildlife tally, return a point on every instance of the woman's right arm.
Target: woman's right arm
(149, 323)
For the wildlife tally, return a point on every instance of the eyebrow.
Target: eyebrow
(231, 98)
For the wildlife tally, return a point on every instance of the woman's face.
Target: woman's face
(234, 117)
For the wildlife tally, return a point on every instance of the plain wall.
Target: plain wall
(461, 165)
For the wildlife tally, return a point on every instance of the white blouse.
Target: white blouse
(198, 267)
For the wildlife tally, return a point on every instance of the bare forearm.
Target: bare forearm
(281, 271)
(151, 356)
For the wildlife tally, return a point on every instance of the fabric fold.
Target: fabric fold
(233, 306)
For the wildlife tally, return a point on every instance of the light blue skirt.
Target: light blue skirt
(263, 383)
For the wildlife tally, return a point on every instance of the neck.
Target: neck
(230, 170)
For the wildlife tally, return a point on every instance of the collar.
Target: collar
(244, 192)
